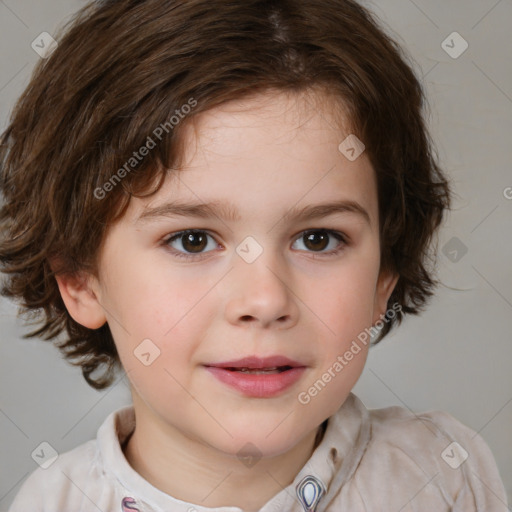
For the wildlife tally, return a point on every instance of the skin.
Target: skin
(265, 155)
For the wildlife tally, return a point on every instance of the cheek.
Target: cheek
(165, 316)
(149, 298)
(343, 306)
(345, 303)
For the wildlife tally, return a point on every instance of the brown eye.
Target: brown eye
(316, 240)
(319, 240)
(192, 242)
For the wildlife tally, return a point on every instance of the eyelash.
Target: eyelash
(341, 237)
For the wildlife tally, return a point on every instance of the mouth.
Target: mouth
(255, 364)
(258, 377)
(257, 371)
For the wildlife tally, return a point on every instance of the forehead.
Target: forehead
(276, 116)
(268, 152)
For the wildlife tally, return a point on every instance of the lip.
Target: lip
(258, 385)
(255, 362)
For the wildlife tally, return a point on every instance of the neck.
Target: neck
(199, 474)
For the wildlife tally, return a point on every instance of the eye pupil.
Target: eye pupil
(196, 241)
(316, 236)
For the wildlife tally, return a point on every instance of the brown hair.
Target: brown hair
(88, 107)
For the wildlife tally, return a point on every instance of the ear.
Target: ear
(79, 293)
(385, 285)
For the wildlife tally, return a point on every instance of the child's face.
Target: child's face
(297, 298)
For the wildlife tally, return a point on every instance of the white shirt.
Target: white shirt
(368, 460)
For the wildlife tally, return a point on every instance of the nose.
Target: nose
(261, 293)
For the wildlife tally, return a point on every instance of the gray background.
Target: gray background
(455, 357)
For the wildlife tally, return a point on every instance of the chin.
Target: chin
(260, 443)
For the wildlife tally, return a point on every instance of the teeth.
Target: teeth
(273, 369)
(258, 371)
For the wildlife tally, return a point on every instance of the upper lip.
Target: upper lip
(255, 362)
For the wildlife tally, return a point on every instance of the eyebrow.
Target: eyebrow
(228, 212)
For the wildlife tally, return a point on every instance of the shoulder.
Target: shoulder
(426, 433)
(435, 452)
(391, 423)
(83, 471)
(60, 477)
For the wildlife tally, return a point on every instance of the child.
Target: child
(227, 201)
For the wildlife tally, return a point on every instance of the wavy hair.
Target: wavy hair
(89, 106)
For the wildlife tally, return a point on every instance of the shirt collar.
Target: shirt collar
(333, 462)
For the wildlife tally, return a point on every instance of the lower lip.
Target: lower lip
(262, 385)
